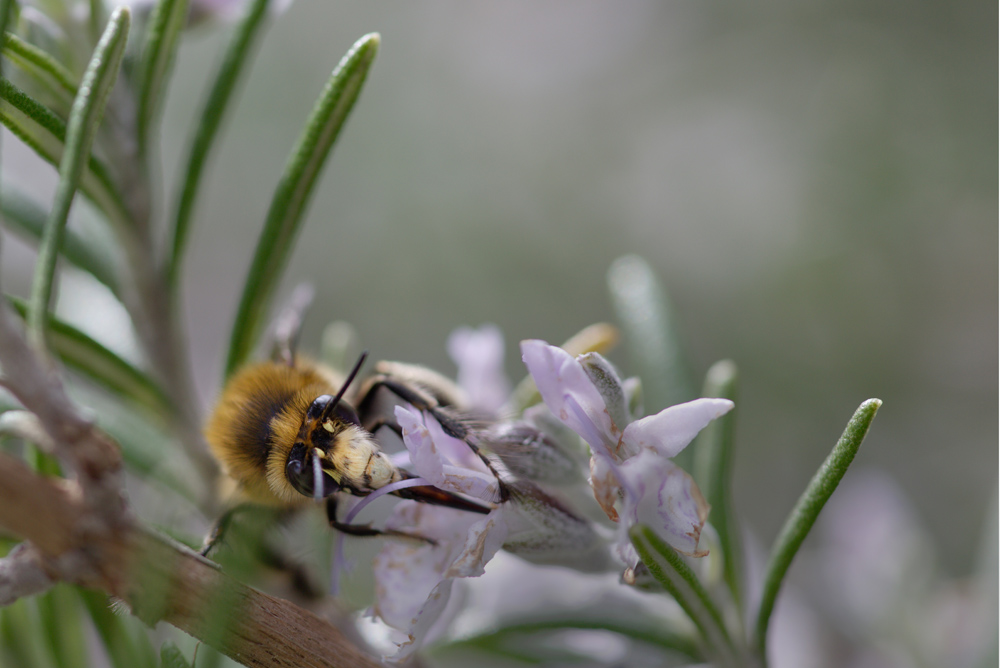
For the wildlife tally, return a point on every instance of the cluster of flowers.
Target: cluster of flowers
(631, 475)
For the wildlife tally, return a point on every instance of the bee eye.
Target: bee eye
(318, 407)
(296, 461)
(299, 472)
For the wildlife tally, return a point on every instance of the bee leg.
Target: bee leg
(373, 426)
(366, 530)
(452, 426)
(218, 530)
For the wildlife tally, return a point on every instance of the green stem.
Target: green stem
(804, 515)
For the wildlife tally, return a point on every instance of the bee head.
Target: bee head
(332, 450)
(326, 421)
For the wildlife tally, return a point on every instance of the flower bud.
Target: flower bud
(609, 385)
(530, 453)
(543, 530)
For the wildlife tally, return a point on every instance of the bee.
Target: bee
(287, 434)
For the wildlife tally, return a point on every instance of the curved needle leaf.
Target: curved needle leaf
(60, 619)
(93, 360)
(656, 637)
(650, 328)
(39, 64)
(38, 127)
(713, 471)
(804, 515)
(158, 51)
(212, 113)
(172, 657)
(124, 647)
(27, 219)
(668, 567)
(85, 117)
(292, 195)
(647, 317)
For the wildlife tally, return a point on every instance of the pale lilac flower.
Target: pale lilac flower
(630, 465)
(446, 462)
(478, 353)
(413, 579)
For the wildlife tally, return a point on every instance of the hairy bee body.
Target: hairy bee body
(258, 420)
(285, 434)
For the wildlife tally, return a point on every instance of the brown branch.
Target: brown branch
(82, 531)
(162, 580)
(22, 574)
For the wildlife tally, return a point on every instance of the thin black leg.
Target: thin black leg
(449, 423)
(365, 530)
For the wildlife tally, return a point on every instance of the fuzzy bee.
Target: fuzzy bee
(286, 434)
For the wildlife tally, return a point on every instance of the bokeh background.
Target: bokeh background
(814, 182)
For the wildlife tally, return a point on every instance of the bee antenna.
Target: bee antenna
(343, 388)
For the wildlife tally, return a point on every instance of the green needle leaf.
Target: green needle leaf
(125, 644)
(292, 195)
(93, 360)
(651, 332)
(512, 632)
(61, 621)
(42, 130)
(162, 34)
(85, 117)
(648, 321)
(172, 657)
(235, 61)
(40, 65)
(805, 512)
(22, 638)
(713, 471)
(27, 219)
(668, 567)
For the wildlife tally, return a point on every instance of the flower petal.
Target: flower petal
(569, 393)
(605, 379)
(413, 580)
(661, 495)
(483, 539)
(478, 353)
(406, 572)
(604, 481)
(430, 460)
(672, 429)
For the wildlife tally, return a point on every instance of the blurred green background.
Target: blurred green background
(815, 183)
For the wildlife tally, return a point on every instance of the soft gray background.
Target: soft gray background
(815, 182)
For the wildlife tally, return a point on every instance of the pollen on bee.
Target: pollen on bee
(328, 425)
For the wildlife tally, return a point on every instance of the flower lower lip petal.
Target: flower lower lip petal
(672, 429)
